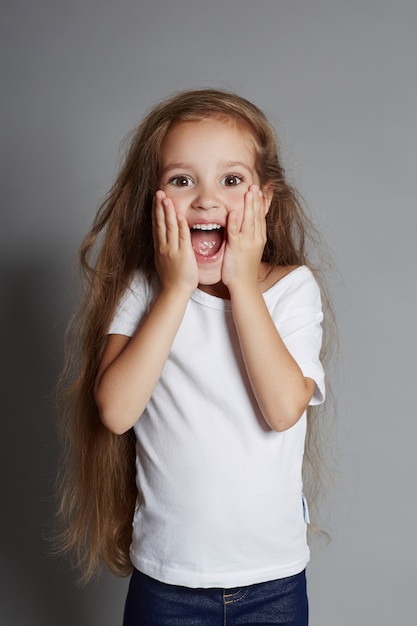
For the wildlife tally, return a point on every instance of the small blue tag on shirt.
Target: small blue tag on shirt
(305, 510)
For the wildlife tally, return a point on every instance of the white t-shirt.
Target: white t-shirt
(220, 494)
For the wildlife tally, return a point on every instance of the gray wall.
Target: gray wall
(339, 80)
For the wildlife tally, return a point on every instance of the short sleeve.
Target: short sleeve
(132, 307)
(298, 316)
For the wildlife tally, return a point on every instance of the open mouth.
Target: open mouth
(207, 239)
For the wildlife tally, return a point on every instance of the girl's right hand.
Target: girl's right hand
(174, 256)
(120, 400)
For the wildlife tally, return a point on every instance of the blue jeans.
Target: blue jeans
(280, 602)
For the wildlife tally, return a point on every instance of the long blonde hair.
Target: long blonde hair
(97, 482)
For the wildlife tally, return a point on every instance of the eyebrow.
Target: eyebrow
(181, 165)
(233, 164)
(175, 166)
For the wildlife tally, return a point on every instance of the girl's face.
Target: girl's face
(207, 167)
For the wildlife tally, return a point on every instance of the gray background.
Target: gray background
(338, 79)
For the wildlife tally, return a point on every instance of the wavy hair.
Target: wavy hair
(97, 491)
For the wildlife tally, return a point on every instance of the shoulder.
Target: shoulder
(289, 275)
(269, 276)
(133, 304)
(140, 288)
(293, 285)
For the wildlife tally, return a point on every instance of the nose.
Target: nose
(205, 197)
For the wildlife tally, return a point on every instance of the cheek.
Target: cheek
(178, 200)
(236, 201)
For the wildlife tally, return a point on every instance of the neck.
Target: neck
(219, 290)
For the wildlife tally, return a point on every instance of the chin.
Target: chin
(210, 268)
(210, 281)
(209, 276)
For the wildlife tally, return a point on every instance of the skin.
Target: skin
(208, 175)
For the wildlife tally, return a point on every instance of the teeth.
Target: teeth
(206, 227)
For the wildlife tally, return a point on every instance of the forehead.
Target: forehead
(208, 136)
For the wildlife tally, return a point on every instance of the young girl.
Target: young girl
(199, 356)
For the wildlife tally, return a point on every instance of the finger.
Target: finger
(183, 229)
(233, 226)
(248, 222)
(171, 222)
(158, 219)
(260, 213)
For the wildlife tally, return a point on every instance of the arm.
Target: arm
(280, 388)
(130, 367)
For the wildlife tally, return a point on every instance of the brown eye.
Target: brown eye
(180, 181)
(232, 180)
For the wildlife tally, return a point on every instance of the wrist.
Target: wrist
(176, 291)
(244, 288)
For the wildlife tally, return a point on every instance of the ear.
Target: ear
(268, 194)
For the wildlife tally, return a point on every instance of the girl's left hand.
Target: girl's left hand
(246, 239)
